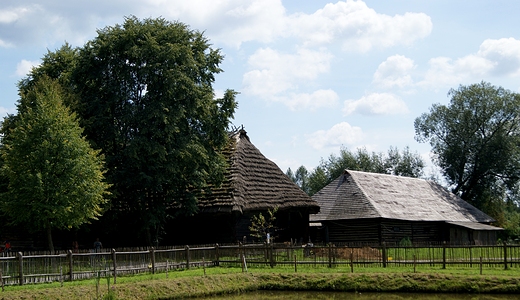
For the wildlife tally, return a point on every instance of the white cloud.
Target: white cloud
(230, 22)
(494, 58)
(5, 111)
(275, 75)
(376, 104)
(394, 72)
(310, 101)
(359, 27)
(339, 135)
(504, 53)
(24, 67)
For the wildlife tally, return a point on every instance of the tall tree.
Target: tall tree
(146, 99)
(55, 179)
(475, 140)
(398, 163)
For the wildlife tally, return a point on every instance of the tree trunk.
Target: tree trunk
(49, 239)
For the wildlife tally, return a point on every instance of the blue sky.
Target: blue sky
(313, 76)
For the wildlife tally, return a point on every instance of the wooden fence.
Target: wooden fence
(23, 268)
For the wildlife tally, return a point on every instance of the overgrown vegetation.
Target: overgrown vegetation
(263, 228)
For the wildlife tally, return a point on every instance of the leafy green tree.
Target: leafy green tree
(146, 99)
(317, 180)
(398, 163)
(261, 226)
(404, 163)
(55, 179)
(475, 140)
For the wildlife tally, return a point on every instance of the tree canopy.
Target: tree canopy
(55, 179)
(144, 96)
(475, 140)
(395, 162)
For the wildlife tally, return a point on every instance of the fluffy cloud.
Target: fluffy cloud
(376, 104)
(494, 58)
(275, 75)
(339, 135)
(310, 101)
(394, 72)
(230, 22)
(24, 67)
(359, 27)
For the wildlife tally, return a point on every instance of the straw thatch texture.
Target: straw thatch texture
(359, 195)
(254, 183)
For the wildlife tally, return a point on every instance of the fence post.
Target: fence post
(114, 264)
(187, 256)
(217, 255)
(20, 267)
(444, 255)
(2, 280)
(295, 265)
(241, 252)
(71, 265)
(330, 255)
(351, 261)
(271, 255)
(505, 255)
(152, 257)
(385, 256)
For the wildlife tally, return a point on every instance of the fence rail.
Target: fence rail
(19, 268)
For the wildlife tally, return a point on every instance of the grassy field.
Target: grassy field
(222, 280)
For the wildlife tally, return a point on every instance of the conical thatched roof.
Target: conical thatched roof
(356, 195)
(254, 183)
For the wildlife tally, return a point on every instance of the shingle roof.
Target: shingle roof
(254, 182)
(369, 195)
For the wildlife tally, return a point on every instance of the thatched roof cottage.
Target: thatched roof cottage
(253, 185)
(370, 207)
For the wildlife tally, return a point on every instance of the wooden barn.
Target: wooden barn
(372, 208)
(253, 185)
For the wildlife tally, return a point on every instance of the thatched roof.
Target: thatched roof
(356, 195)
(253, 183)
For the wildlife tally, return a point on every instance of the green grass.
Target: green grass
(225, 280)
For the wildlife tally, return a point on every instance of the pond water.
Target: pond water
(278, 295)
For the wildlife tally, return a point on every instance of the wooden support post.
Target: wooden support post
(351, 262)
(187, 248)
(217, 255)
(384, 255)
(444, 255)
(71, 265)
(204, 266)
(481, 265)
(20, 268)
(414, 264)
(330, 255)
(114, 264)
(505, 256)
(61, 276)
(244, 264)
(167, 268)
(295, 265)
(152, 258)
(271, 255)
